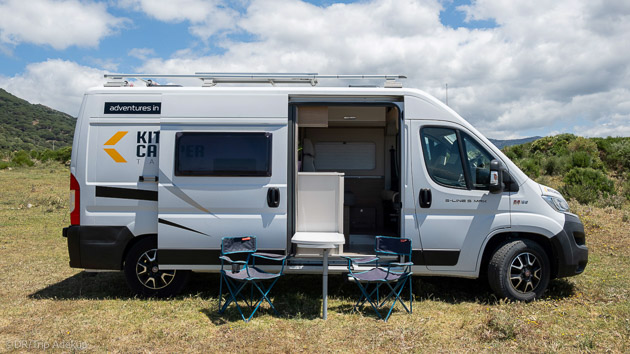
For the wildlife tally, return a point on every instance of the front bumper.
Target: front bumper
(570, 247)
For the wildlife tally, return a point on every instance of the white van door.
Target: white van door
(223, 173)
(454, 209)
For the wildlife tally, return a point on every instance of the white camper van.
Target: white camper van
(160, 174)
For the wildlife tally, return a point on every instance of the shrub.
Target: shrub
(3, 165)
(542, 144)
(619, 158)
(530, 166)
(581, 159)
(22, 158)
(587, 185)
(615, 153)
(63, 154)
(556, 165)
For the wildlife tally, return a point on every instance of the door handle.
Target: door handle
(273, 197)
(425, 198)
(148, 179)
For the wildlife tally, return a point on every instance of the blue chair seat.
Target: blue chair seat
(251, 274)
(378, 275)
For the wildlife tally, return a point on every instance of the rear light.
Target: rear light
(75, 201)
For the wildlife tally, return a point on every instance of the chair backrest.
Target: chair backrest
(392, 245)
(244, 244)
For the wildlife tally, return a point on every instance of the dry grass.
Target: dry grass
(44, 302)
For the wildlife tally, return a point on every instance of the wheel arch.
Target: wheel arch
(132, 243)
(498, 239)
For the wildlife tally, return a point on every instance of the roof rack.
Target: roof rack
(212, 79)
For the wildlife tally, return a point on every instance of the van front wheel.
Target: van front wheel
(144, 276)
(519, 270)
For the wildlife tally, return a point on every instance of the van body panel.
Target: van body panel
(458, 219)
(197, 211)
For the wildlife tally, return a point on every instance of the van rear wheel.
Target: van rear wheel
(144, 276)
(519, 270)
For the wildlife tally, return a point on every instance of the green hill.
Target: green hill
(26, 126)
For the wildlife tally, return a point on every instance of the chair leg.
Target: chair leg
(397, 290)
(236, 292)
(369, 299)
(220, 291)
(264, 291)
(410, 296)
(233, 295)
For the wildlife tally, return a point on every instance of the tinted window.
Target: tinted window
(478, 163)
(223, 154)
(442, 157)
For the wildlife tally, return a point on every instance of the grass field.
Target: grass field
(45, 303)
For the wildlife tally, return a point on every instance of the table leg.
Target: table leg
(325, 285)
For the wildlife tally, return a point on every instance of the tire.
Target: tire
(519, 270)
(143, 276)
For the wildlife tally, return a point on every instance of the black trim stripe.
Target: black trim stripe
(435, 257)
(170, 223)
(126, 193)
(203, 257)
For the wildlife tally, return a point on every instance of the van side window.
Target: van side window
(223, 154)
(477, 162)
(442, 157)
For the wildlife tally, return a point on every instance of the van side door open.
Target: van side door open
(223, 172)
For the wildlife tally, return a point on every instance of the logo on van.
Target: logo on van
(113, 141)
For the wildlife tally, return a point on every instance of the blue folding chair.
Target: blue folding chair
(243, 272)
(394, 275)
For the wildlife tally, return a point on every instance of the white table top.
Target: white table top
(318, 239)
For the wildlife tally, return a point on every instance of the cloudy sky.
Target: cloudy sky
(513, 68)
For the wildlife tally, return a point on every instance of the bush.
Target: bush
(3, 165)
(22, 158)
(556, 165)
(619, 158)
(514, 151)
(615, 153)
(530, 166)
(555, 145)
(581, 159)
(63, 154)
(587, 185)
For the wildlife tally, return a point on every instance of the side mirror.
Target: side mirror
(496, 177)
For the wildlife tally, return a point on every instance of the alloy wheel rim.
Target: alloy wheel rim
(525, 273)
(149, 274)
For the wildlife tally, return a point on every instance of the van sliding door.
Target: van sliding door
(223, 172)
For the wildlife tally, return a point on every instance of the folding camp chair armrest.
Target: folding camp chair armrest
(361, 260)
(228, 259)
(271, 256)
(406, 264)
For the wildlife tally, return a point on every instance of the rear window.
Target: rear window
(223, 154)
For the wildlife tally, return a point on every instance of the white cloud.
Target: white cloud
(56, 83)
(142, 53)
(207, 17)
(60, 24)
(545, 65)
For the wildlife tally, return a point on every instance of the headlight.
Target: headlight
(556, 203)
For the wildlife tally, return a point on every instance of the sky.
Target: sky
(513, 68)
